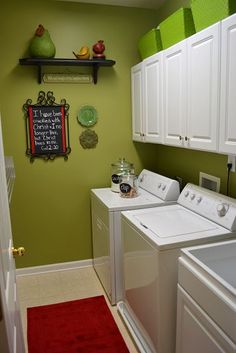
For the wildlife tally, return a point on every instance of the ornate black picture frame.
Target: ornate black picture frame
(47, 127)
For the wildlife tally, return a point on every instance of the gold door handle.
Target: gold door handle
(18, 252)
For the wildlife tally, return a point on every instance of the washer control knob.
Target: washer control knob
(186, 193)
(159, 185)
(192, 197)
(163, 187)
(222, 209)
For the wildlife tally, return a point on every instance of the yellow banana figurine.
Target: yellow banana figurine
(83, 53)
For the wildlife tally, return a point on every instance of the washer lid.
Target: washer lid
(172, 222)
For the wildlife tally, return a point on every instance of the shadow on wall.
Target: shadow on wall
(187, 164)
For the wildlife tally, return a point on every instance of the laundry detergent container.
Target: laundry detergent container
(149, 43)
(177, 27)
(207, 12)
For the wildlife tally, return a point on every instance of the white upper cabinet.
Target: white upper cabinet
(152, 94)
(174, 95)
(203, 53)
(147, 115)
(228, 87)
(186, 95)
(137, 102)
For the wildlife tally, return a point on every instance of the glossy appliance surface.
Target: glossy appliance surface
(207, 298)
(153, 239)
(106, 206)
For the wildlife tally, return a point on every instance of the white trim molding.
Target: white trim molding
(63, 266)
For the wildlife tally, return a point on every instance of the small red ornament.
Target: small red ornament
(98, 49)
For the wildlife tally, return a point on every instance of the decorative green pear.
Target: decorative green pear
(41, 45)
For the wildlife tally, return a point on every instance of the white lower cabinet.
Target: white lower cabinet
(228, 87)
(196, 331)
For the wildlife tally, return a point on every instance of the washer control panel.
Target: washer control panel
(216, 207)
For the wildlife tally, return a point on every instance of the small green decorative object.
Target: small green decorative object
(88, 139)
(87, 116)
(41, 45)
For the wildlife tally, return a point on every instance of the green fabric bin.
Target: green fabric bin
(208, 12)
(149, 43)
(177, 27)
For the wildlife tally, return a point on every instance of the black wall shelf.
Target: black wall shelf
(40, 62)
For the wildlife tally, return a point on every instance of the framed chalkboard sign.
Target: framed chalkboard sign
(47, 127)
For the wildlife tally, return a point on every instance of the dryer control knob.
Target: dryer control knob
(192, 197)
(163, 187)
(159, 185)
(199, 199)
(222, 209)
(186, 193)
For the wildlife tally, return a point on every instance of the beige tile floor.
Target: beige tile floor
(59, 286)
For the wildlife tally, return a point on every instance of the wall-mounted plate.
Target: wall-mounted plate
(88, 139)
(87, 116)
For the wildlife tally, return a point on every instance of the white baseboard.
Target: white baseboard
(63, 266)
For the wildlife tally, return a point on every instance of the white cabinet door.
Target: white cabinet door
(137, 102)
(174, 63)
(196, 331)
(152, 102)
(203, 89)
(228, 87)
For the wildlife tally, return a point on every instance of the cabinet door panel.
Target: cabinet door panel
(152, 75)
(228, 87)
(196, 331)
(174, 61)
(203, 89)
(137, 102)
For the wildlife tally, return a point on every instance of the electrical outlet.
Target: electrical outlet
(231, 159)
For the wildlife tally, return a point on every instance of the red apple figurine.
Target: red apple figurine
(98, 49)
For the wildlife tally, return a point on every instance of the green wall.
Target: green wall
(50, 207)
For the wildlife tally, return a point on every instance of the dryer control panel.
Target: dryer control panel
(216, 207)
(165, 188)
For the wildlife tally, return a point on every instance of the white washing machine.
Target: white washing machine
(106, 207)
(152, 239)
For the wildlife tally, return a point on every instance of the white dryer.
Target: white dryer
(106, 207)
(152, 239)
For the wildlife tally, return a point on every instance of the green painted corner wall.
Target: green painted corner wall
(50, 209)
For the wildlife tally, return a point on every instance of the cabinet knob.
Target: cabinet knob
(180, 137)
(186, 138)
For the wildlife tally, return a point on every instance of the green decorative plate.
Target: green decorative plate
(87, 116)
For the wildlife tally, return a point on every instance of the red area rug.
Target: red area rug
(78, 326)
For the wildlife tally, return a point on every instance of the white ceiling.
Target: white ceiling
(148, 4)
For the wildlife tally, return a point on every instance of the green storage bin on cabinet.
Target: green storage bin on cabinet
(207, 12)
(149, 43)
(177, 27)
